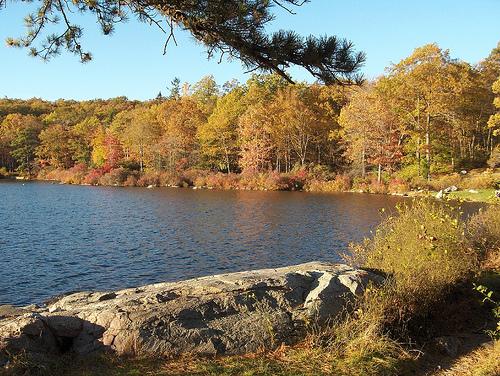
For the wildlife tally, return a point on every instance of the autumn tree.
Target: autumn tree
(179, 121)
(55, 146)
(82, 140)
(218, 137)
(494, 120)
(422, 91)
(141, 136)
(205, 92)
(294, 125)
(357, 120)
(18, 140)
(255, 139)
(370, 129)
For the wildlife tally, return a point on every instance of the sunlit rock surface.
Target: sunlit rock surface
(223, 314)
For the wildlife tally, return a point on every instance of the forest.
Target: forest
(429, 116)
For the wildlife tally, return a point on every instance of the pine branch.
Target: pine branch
(235, 28)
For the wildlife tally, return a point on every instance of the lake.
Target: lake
(60, 238)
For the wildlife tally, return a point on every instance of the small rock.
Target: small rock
(463, 172)
(54, 309)
(440, 194)
(472, 191)
(150, 186)
(451, 188)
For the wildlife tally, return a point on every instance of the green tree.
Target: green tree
(175, 89)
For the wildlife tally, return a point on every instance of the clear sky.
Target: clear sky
(131, 62)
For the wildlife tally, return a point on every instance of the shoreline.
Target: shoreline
(464, 195)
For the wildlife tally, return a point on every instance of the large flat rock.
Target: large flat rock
(223, 314)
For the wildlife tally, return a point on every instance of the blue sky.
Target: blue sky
(131, 62)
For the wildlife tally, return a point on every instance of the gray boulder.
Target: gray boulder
(223, 314)
(451, 188)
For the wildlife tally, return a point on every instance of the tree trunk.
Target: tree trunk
(428, 146)
(363, 165)
(141, 162)
(418, 157)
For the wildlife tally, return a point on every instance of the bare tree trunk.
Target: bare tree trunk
(227, 162)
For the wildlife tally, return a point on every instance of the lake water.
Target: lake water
(60, 238)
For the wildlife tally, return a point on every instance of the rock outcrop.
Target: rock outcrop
(223, 314)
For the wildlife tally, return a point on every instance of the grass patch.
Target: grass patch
(482, 195)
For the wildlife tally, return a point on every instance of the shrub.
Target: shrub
(3, 172)
(341, 183)
(131, 181)
(200, 181)
(291, 182)
(75, 174)
(361, 184)
(149, 178)
(116, 176)
(93, 176)
(441, 182)
(222, 181)
(321, 172)
(419, 182)
(184, 181)
(167, 179)
(479, 181)
(483, 230)
(376, 187)
(424, 252)
(408, 173)
(397, 185)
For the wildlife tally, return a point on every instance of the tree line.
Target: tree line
(428, 114)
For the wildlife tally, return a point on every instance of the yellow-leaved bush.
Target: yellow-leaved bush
(423, 250)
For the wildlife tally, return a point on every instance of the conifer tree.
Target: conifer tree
(231, 28)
